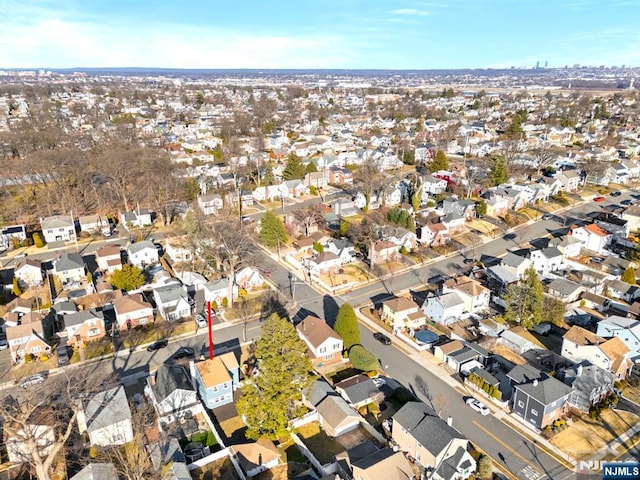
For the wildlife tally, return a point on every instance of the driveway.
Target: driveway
(628, 406)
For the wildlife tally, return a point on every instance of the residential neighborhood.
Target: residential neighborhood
(301, 277)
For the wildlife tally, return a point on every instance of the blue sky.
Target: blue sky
(377, 34)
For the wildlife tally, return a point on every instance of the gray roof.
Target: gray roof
(425, 426)
(139, 246)
(546, 391)
(449, 467)
(96, 471)
(106, 408)
(591, 377)
(76, 318)
(57, 221)
(513, 260)
(359, 388)
(524, 373)
(170, 378)
(463, 355)
(171, 293)
(486, 376)
(165, 450)
(564, 286)
(65, 307)
(551, 252)
(69, 261)
(505, 275)
(318, 391)
(334, 410)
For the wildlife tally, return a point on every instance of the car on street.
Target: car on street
(547, 216)
(627, 202)
(201, 321)
(599, 199)
(478, 406)
(183, 352)
(33, 379)
(616, 193)
(379, 381)
(157, 345)
(63, 355)
(246, 219)
(382, 338)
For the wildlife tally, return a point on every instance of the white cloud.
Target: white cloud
(410, 11)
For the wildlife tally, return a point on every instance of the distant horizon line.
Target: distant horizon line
(255, 69)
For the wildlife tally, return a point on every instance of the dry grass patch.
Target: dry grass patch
(221, 469)
(508, 354)
(232, 425)
(585, 436)
(319, 443)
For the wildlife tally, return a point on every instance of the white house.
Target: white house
(29, 272)
(547, 260)
(217, 290)
(444, 308)
(172, 302)
(69, 268)
(475, 297)
(106, 418)
(142, 254)
(58, 228)
(325, 345)
(210, 204)
(172, 393)
(92, 223)
(593, 237)
(109, 258)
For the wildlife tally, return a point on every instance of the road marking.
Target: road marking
(530, 472)
(526, 461)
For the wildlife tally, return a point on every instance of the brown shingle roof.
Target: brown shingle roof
(216, 371)
(130, 303)
(400, 304)
(581, 336)
(316, 330)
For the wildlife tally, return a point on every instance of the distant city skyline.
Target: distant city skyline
(328, 34)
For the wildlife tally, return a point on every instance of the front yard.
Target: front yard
(585, 436)
(350, 273)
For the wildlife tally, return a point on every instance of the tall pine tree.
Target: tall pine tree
(347, 326)
(272, 231)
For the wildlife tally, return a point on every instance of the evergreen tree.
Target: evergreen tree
(514, 130)
(294, 169)
(362, 359)
(481, 208)
(273, 397)
(440, 162)
(128, 278)
(498, 173)
(310, 168)
(268, 178)
(629, 275)
(525, 301)
(347, 326)
(272, 231)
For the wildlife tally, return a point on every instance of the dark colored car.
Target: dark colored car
(183, 352)
(157, 345)
(627, 202)
(63, 355)
(616, 193)
(382, 338)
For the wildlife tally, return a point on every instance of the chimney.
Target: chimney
(450, 421)
(535, 382)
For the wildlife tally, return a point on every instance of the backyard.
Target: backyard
(585, 436)
(319, 443)
(221, 469)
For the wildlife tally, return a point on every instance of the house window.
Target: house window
(216, 400)
(142, 321)
(225, 386)
(36, 349)
(534, 412)
(94, 331)
(520, 403)
(323, 350)
(215, 388)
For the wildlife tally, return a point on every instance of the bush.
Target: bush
(28, 357)
(225, 302)
(37, 240)
(44, 358)
(313, 190)
(403, 250)
(362, 359)
(242, 292)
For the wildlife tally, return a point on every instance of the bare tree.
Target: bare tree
(543, 157)
(370, 177)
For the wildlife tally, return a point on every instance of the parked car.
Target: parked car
(201, 321)
(478, 406)
(157, 345)
(616, 193)
(63, 355)
(379, 381)
(599, 199)
(33, 379)
(3, 342)
(547, 216)
(183, 352)
(382, 338)
(627, 202)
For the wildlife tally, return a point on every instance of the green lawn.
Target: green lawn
(205, 438)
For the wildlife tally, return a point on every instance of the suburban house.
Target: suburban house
(454, 222)
(141, 217)
(359, 390)
(570, 180)
(216, 379)
(432, 442)
(433, 235)
(142, 254)
(445, 308)
(29, 272)
(217, 290)
(537, 398)
(593, 237)
(109, 258)
(626, 329)
(565, 290)
(93, 223)
(623, 291)
(325, 346)
(612, 355)
(324, 263)
(96, 471)
(83, 327)
(343, 207)
(210, 204)
(12, 235)
(402, 312)
(177, 250)
(335, 415)
(59, 228)
(343, 248)
(547, 260)
(248, 278)
(172, 302)
(368, 462)
(475, 296)
(106, 418)
(256, 457)
(41, 428)
(519, 340)
(27, 338)
(590, 383)
(132, 310)
(70, 268)
(518, 263)
(382, 251)
(172, 393)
